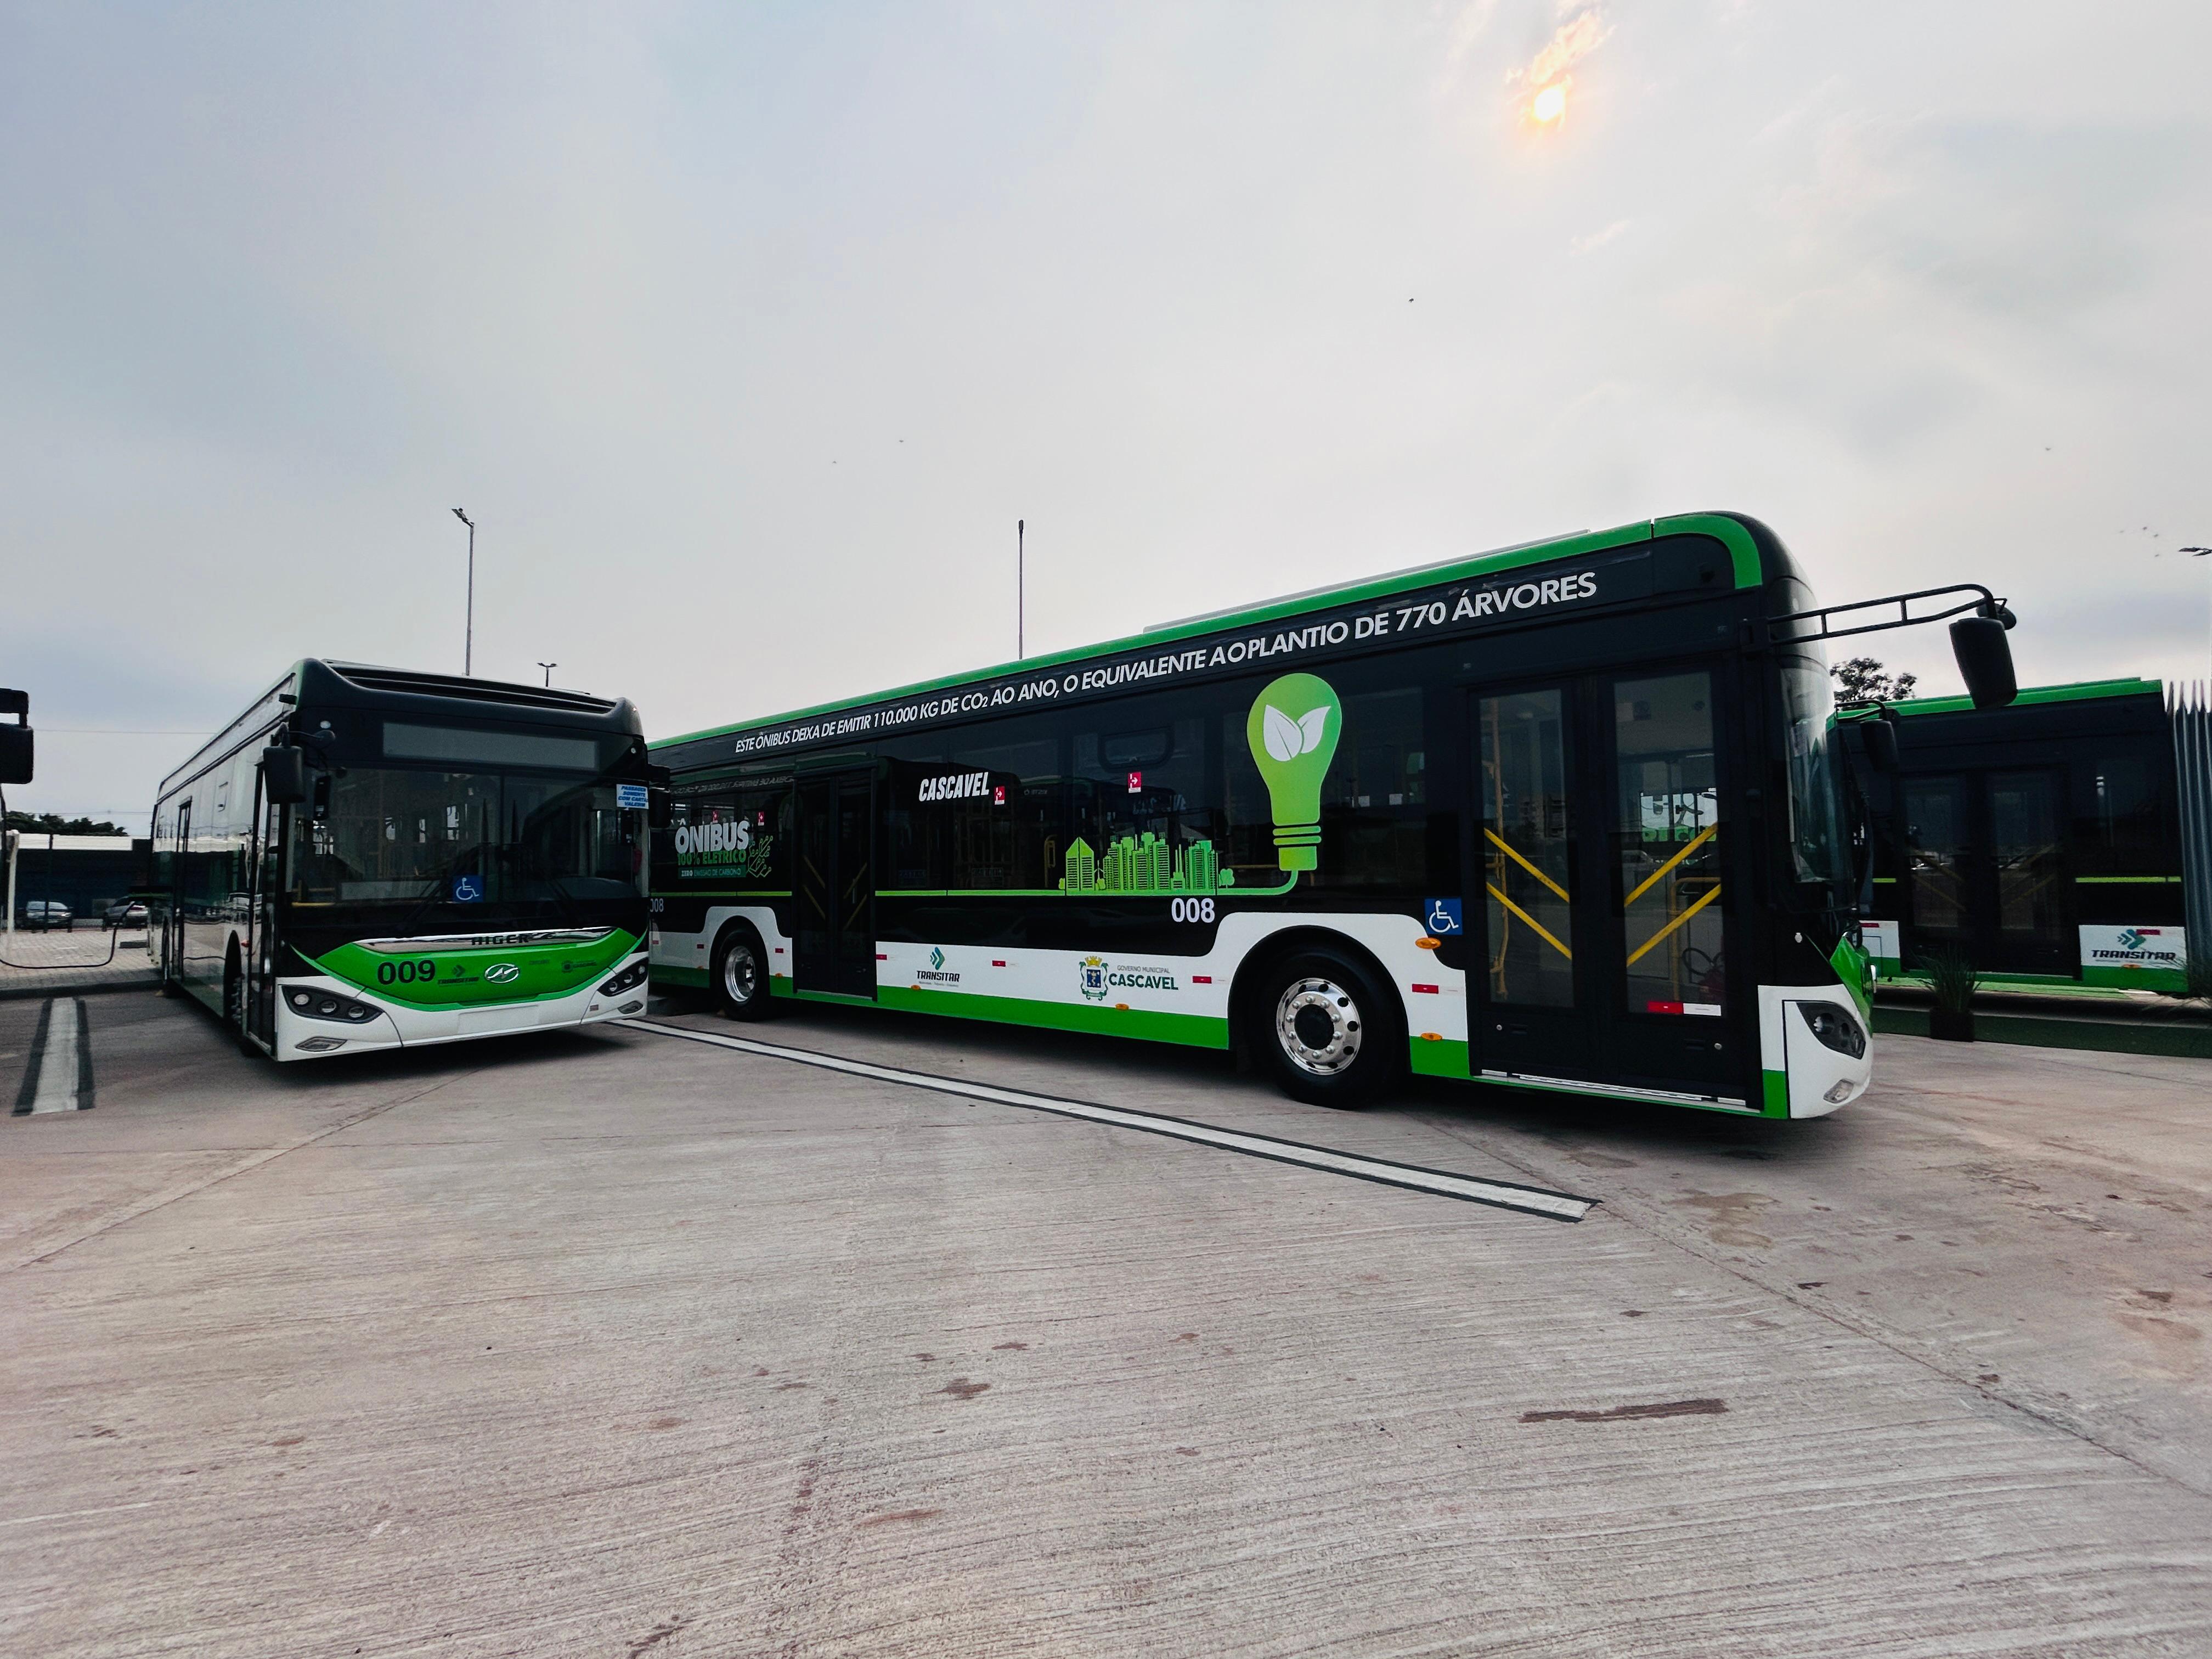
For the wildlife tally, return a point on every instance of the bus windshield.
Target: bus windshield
(1815, 837)
(507, 840)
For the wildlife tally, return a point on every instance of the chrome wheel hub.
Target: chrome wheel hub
(1318, 1026)
(740, 973)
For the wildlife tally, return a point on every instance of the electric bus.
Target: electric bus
(368, 858)
(2049, 842)
(1556, 818)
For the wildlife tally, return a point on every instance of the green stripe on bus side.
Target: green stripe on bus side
(2115, 881)
(1776, 1087)
(1443, 1057)
(2078, 691)
(1743, 555)
(830, 996)
(1194, 1030)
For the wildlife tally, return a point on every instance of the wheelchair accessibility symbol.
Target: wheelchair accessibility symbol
(1441, 915)
(468, 890)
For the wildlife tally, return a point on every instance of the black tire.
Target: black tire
(1326, 1029)
(740, 982)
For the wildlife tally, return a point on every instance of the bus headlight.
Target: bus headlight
(1835, 1029)
(312, 1003)
(629, 978)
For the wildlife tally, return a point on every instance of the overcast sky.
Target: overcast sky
(746, 334)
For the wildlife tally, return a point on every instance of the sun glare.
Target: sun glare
(1550, 104)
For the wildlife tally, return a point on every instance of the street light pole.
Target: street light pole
(469, 637)
(549, 667)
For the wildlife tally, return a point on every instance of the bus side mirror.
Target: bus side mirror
(658, 815)
(16, 742)
(283, 777)
(1880, 739)
(1985, 656)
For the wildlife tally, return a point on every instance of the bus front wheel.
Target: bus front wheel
(1320, 1023)
(741, 974)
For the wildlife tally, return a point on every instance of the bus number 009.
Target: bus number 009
(1192, 909)
(405, 973)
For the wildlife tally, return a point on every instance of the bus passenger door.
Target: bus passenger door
(1675, 1025)
(1531, 1004)
(833, 886)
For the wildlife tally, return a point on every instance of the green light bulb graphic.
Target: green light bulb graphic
(1293, 728)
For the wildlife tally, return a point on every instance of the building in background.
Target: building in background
(85, 872)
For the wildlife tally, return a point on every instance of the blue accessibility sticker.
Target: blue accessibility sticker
(1441, 915)
(630, 794)
(468, 890)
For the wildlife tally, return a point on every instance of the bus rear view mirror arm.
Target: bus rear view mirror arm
(1978, 635)
(1984, 604)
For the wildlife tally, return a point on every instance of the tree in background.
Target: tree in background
(52, 823)
(1862, 680)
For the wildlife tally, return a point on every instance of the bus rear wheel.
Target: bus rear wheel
(1320, 1024)
(740, 975)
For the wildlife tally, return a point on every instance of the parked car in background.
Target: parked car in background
(123, 913)
(39, 914)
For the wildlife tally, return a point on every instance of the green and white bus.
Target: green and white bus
(1556, 817)
(368, 858)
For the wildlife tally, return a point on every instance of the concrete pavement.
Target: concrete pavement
(619, 1344)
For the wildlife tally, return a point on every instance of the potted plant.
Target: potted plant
(1952, 978)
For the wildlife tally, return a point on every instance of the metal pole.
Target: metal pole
(1021, 594)
(468, 638)
(14, 840)
(549, 667)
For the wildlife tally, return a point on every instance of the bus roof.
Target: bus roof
(2073, 691)
(1744, 538)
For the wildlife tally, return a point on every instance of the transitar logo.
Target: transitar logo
(936, 958)
(1091, 978)
(502, 973)
(2130, 939)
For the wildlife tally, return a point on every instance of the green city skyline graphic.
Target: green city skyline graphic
(1145, 864)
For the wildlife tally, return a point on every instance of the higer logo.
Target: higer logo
(502, 973)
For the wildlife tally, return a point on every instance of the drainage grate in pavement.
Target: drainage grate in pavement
(1444, 1183)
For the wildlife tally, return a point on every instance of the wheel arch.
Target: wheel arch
(1261, 958)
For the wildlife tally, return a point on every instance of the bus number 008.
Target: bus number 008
(1192, 909)
(405, 973)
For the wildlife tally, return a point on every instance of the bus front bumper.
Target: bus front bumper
(391, 1025)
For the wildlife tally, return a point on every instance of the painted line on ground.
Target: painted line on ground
(1444, 1183)
(59, 1076)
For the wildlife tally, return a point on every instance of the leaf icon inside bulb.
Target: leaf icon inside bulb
(1287, 739)
(1292, 754)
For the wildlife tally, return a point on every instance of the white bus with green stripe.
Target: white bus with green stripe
(370, 857)
(1556, 817)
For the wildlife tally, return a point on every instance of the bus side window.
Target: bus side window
(1375, 829)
